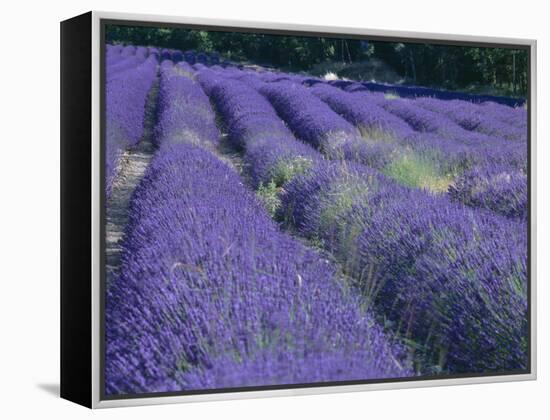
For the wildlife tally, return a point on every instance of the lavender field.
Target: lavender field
(287, 229)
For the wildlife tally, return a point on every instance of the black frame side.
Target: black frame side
(76, 229)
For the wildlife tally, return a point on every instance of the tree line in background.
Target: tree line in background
(495, 70)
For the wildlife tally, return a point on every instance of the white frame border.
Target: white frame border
(96, 269)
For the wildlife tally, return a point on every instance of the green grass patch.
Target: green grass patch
(413, 170)
(340, 200)
(269, 196)
(377, 135)
(287, 169)
(335, 227)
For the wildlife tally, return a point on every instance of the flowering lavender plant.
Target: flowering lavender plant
(291, 230)
(282, 314)
(126, 96)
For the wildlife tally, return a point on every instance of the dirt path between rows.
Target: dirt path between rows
(130, 170)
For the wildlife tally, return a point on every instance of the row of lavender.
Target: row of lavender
(476, 153)
(192, 57)
(406, 91)
(202, 305)
(117, 53)
(426, 147)
(130, 75)
(450, 278)
(444, 276)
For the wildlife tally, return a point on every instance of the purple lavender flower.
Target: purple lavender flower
(311, 119)
(189, 56)
(476, 118)
(185, 114)
(126, 96)
(515, 116)
(405, 91)
(128, 50)
(394, 242)
(448, 279)
(363, 111)
(496, 187)
(271, 153)
(199, 243)
(118, 68)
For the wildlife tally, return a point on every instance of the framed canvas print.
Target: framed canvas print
(256, 209)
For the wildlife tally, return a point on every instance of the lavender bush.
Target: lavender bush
(398, 246)
(281, 309)
(418, 91)
(311, 119)
(126, 98)
(185, 114)
(477, 118)
(396, 241)
(418, 147)
(497, 187)
(271, 153)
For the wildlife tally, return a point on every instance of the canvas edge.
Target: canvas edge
(97, 16)
(200, 21)
(95, 210)
(533, 204)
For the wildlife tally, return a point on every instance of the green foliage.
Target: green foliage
(287, 169)
(375, 134)
(476, 69)
(335, 222)
(414, 170)
(361, 68)
(290, 52)
(269, 196)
